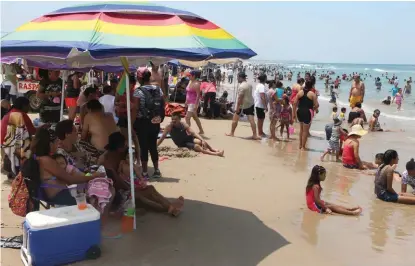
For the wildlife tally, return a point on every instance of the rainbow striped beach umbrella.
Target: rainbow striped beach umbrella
(130, 29)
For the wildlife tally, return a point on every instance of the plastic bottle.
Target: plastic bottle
(127, 221)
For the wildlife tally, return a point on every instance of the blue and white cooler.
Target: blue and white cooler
(61, 236)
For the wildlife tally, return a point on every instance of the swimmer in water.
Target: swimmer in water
(357, 91)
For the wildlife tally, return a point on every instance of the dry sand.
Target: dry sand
(248, 208)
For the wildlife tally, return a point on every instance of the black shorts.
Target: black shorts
(64, 198)
(247, 111)
(304, 116)
(190, 144)
(260, 113)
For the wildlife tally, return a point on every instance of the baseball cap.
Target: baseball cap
(141, 71)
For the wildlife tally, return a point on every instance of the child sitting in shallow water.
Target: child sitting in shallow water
(408, 177)
(313, 195)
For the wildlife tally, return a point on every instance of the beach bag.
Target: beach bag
(20, 201)
(154, 103)
(329, 130)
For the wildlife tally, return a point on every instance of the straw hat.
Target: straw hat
(357, 130)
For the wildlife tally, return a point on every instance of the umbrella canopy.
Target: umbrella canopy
(108, 30)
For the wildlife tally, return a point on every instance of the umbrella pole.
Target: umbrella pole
(64, 77)
(235, 88)
(130, 145)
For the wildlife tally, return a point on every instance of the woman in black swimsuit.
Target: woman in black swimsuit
(304, 105)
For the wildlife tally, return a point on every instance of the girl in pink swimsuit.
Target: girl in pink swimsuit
(193, 96)
(398, 99)
(313, 193)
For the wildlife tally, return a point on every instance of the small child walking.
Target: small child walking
(399, 99)
(334, 113)
(286, 116)
(313, 195)
(334, 140)
(342, 115)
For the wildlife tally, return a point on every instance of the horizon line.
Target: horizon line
(315, 62)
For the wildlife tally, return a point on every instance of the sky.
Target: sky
(327, 32)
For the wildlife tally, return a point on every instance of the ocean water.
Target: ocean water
(368, 74)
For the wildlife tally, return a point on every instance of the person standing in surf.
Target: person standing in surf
(357, 91)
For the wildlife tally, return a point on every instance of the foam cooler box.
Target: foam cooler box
(61, 236)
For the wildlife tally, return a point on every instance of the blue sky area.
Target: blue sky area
(330, 32)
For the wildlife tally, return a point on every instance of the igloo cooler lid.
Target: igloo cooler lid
(58, 217)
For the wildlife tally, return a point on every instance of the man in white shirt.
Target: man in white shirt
(260, 100)
(230, 75)
(107, 100)
(245, 105)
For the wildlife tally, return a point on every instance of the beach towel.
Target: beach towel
(100, 188)
(16, 128)
(93, 153)
(171, 108)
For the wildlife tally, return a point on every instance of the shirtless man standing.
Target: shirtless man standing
(155, 78)
(97, 126)
(357, 91)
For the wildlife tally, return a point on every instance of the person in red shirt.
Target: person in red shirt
(208, 88)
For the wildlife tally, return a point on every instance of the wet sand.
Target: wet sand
(249, 209)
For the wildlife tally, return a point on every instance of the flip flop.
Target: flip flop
(14, 242)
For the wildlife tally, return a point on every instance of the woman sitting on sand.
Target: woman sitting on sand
(350, 155)
(183, 136)
(118, 169)
(384, 179)
(313, 195)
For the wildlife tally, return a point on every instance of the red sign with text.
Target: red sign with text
(25, 86)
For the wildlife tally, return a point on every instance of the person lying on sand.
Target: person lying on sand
(313, 195)
(183, 136)
(145, 195)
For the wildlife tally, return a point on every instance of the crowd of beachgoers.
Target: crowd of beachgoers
(56, 154)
